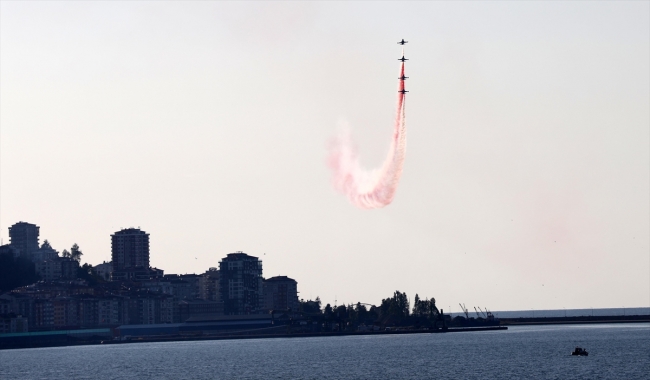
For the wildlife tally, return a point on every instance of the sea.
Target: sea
(616, 351)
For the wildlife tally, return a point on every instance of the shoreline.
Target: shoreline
(67, 340)
(32, 343)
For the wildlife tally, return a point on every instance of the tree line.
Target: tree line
(393, 311)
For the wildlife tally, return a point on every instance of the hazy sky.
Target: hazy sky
(527, 174)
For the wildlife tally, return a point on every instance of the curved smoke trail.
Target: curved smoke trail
(374, 189)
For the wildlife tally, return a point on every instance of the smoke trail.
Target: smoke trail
(374, 189)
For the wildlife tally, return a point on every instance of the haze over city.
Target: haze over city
(527, 174)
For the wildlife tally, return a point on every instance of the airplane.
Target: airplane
(402, 42)
(402, 91)
(403, 77)
(402, 59)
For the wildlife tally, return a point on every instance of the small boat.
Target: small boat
(579, 352)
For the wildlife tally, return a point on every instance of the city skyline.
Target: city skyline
(525, 182)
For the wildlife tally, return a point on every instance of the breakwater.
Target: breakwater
(575, 320)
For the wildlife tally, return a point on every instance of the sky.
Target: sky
(526, 183)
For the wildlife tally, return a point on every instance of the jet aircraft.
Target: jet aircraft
(402, 91)
(402, 42)
(402, 59)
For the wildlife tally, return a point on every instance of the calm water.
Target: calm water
(619, 351)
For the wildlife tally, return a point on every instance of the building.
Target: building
(199, 309)
(148, 309)
(24, 237)
(69, 268)
(46, 252)
(158, 285)
(130, 254)
(19, 304)
(193, 280)
(49, 270)
(281, 293)
(104, 270)
(43, 314)
(209, 285)
(185, 286)
(8, 249)
(11, 323)
(65, 312)
(241, 284)
(59, 268)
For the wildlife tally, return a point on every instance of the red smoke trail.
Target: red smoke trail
(377, 188)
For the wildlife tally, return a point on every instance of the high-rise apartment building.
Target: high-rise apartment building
(209, 285)
(281, 293)
(130, 254)
(241, 284)
(24, 237)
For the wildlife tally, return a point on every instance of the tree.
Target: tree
(75, 252)
(400, 304)
(65, 253)
(362, 313)
(310, 307)
(87, 272)
(341, 312)
(395, 308)
(16, 272)
(433, 310)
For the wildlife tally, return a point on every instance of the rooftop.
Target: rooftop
(280, 278)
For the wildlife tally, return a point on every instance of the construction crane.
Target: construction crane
(464, 309)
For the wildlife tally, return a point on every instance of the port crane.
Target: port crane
(477, 314)
(464, 309)
(482, 312)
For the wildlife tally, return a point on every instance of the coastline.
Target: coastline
(7, 343)
(35, 343)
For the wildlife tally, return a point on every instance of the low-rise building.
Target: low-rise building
(12, 323)
(147, 309)
(157, 285)
(49, 270)
(104, 270)
(46, 252)
(59, 268)
(198, 308)
(69, 268)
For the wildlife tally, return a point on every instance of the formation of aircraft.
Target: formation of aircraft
(403, 91)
